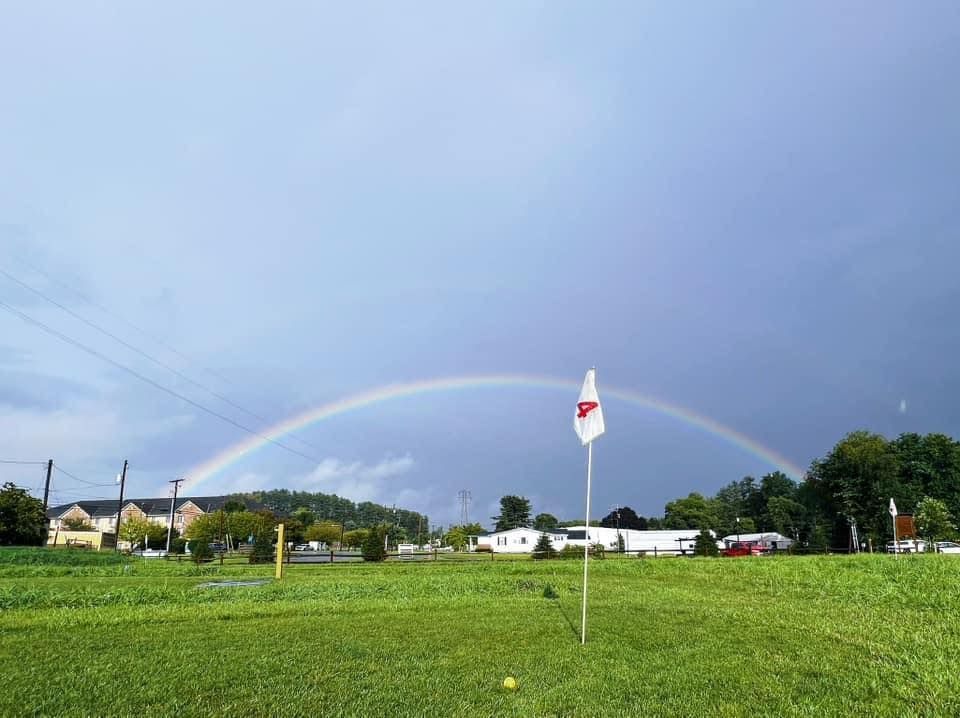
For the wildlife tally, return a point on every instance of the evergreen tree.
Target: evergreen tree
(514, 513)
(544, 548)
(372, 548)
(705, 545)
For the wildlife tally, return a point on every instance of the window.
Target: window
(523, 539)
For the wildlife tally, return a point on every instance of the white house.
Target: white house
(767, 540)
(657, 543)
(520, 540)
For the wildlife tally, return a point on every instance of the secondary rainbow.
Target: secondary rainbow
(390, 392)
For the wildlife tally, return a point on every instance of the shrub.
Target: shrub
(372, 548)
(705, 545)
(570, 551)
(199, 550)
(544, 548)
(262, 548)
(178, 545)
(76, 524)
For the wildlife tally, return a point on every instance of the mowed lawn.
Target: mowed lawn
(811, 636)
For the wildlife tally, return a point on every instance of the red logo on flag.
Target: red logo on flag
(585, 407)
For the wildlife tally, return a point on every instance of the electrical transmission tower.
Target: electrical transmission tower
(464, 497)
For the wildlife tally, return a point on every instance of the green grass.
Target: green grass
(790, 636)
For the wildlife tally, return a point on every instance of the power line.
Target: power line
(120, 318)
(77, 478)
(93, 352)
(22, 463)
(145, 355)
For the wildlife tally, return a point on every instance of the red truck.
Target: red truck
(743, 548)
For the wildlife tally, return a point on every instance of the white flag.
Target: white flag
(893, 509)
(588, 421)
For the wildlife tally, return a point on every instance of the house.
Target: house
(102, 516)
(658, 543)
(520, 540)
(769, 540)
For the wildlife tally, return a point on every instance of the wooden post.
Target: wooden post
(279, 573)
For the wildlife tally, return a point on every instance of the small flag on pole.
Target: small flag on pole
(588, 421)
(893, 509)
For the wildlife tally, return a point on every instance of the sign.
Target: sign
(905, 526)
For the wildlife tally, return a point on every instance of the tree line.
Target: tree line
(852, 484)
(330, 508)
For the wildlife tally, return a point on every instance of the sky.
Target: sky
(745, 210)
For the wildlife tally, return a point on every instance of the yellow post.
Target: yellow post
(279, 551)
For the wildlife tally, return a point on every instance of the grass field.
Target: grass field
(811, 636)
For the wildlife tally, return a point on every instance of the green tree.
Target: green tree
(263, 551)
(856, 480)
(139, 532)
(544, 522)
(626, 518)
(738, 499)
(372, 548)
(544, 548)
(705, 544)
(77, 524)
(784, 515)
(200, 551)
(304, 515)
(354, 539)
(457, 538)
(933, 520)
(22, 519)
(328, 533)
(514, 513)
(692, 512)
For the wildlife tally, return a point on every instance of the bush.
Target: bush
(570, 551)
(178, 545)
(262, 549)
(544, 548)
(199, 550)
(372, 548)
(705, 545)
(76, 524)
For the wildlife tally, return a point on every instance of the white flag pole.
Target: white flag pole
(586, 548)
(896, 542)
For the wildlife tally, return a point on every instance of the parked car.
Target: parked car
(302, 547)
(218, 547)
(907, 546)
(947, 547)
(743, 548)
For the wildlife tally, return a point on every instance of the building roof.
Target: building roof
(555, 532)
(104, 508)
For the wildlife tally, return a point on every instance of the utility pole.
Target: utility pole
(46, 486)
(123, 481)
(176, 485)
(465, 498)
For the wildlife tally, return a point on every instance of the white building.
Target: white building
(767, 540)
(655, 543)
(521, 540)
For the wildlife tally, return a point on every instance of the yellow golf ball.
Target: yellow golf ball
(510, 683)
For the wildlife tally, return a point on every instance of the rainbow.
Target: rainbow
(232, 454)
